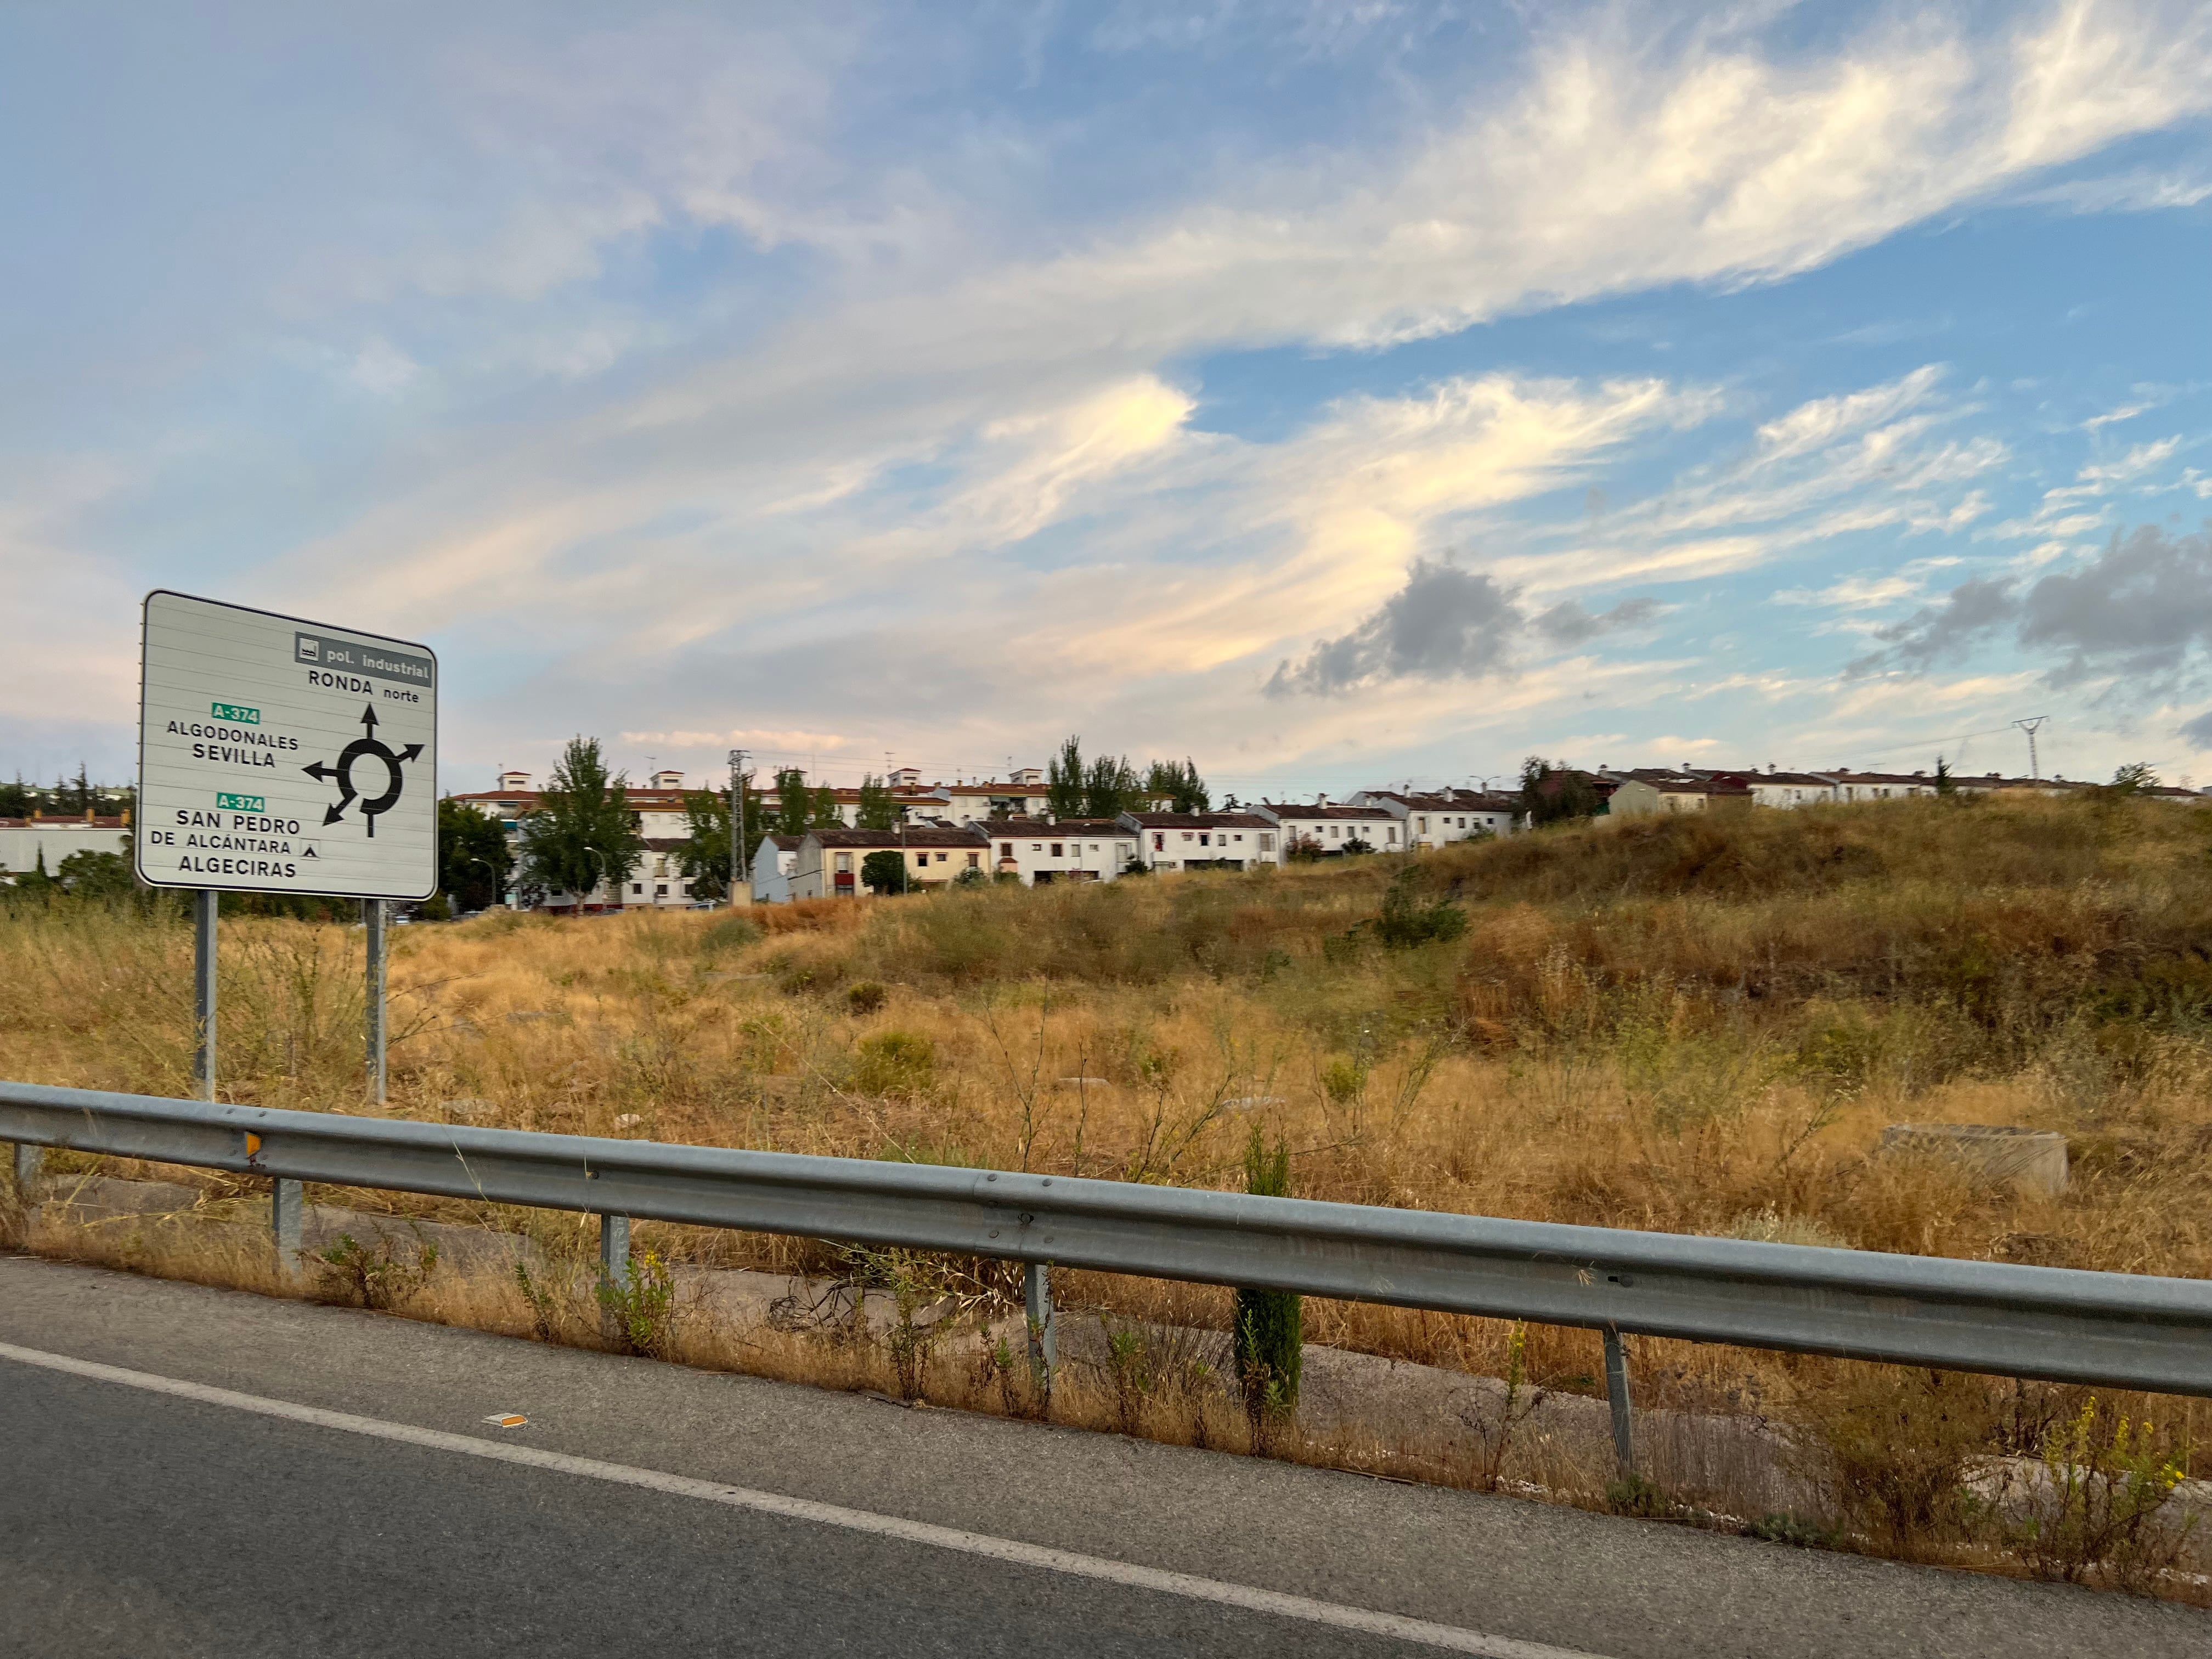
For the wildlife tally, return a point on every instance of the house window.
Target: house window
(1332, 832)
(1391, 835)
(1240, 837)
(637, 887)
(1422, 825)
(941, 857)
(1186, 835)
(1159, 842)
(661, 889)
(844, 863)
(974, 860)
(921, 858)
(1005, 849)
(1267, 843)
(1203, 840)
(1037, 847)
(1094, 845)
(1056, 852)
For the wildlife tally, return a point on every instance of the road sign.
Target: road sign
(278, 756)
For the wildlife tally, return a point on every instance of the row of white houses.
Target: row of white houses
(989, 828)
(829, 863)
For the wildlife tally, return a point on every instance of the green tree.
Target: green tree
(19, 799)
(885, 872)
(1551, 792)
(474, 862)
(583, 831)
(794, 803)
(877, 810)
(35, 882)
(1063, 781)
(1111, 788)
(1947, 783)
(2133, 778)
(1269, 1339)
(824, 813)
(705, 854)
(1180, 782)
(98, 875)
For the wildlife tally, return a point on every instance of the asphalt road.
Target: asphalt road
(185, 1471)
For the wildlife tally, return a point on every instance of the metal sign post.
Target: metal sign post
(279, 755)
(204, 902)
(372, 917)
(737, 822)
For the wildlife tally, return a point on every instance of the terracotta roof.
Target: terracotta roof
(877, 839)
(1066, 828)
(1202, 820)
(1363, 814)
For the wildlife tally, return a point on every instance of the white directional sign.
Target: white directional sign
(278, 756)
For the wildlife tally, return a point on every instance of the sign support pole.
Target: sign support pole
(737, 823)
(204, 900)
(371, 913)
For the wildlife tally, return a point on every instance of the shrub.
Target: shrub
(1406, 921)
(1269, 1337)
(641, 1305)
(1894, 1448)
(376, 1275)
(730, 933)
(2094, 1509)
(894, 1063)
(865, 997)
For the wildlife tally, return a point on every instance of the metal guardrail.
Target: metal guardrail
(2051, 1324)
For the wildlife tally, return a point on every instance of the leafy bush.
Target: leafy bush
(865, 997)
(376, 1275)
(1270, 1335)
(641, 1305)
(730, 933)
(2094, 1509)
(1406, 922)
(894, 1063)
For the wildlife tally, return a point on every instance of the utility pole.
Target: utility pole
(2031, 726)
(737, 819)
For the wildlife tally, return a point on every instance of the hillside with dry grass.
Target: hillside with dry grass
(1686, 1024)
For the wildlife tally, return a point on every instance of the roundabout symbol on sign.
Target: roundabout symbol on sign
(364, 748)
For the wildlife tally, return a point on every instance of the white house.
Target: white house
(1329, 830)
(1880, 785)
(773, 861)
(829, 863)
(1042, 850)
(1784, 790)
(1204, 840)
(1439, 817)
(24, 840)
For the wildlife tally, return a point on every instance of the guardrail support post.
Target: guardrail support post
(30, 1164)
(1616, 1395)
(204, 960)
(614, 1274)
(288, 1216)
(1044, 1339)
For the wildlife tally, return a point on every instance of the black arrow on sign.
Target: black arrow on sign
(319, 772)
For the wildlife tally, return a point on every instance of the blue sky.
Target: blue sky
(1333, 392)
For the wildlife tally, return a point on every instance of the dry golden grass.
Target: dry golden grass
(1682, 1025)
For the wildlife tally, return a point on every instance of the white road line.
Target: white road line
(1448, 1637)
